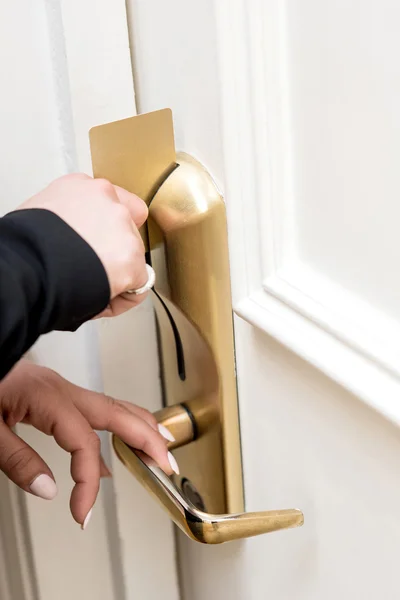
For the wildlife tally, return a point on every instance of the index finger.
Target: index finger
(106, 413)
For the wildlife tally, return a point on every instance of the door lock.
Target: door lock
(187, 508)
(186, 239)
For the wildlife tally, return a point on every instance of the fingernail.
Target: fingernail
(44, 487)
(173, 463)
(166, 433)
(86, 521)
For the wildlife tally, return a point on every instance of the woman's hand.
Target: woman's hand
(42, 398)
(107, 217)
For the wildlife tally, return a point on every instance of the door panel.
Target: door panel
(343, 98)
(293, 109)
(45, 549)
(65, 67)
(182, 73)
(305, 100)
(145, 538)
(303, 436)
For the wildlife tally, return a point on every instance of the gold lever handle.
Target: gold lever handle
(197, 524)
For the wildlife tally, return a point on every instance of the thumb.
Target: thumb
(137, 208)
(24, 466)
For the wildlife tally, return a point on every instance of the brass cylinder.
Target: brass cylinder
(188, 421)
(177, 420)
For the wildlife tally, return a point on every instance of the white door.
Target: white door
(293, 108)
(65, 67)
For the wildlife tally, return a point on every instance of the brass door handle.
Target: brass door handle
(195, 523)
(186, 240)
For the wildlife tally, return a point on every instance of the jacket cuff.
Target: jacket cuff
(75, 286)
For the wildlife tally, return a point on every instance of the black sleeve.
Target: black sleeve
(50, 278)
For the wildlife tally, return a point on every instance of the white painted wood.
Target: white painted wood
(17, 577)
(98, 67)
(130, 371)
(190, 52)
(274, 215)
(66, 67)
(101, 87)
(306, 442)
(305, 149)
(96, 77)
(39, 145)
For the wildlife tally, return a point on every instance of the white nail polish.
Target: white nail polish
(44, 487)
(166, 433)
(86, 521)
(173, 463)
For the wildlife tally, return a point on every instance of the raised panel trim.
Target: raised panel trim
(351, 342)
(256, 139)
(339, 359)
(340, 313)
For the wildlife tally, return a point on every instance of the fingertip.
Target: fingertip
(139, 210)
(142, 213)
(81, 502)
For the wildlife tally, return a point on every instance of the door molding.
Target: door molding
(352, 342)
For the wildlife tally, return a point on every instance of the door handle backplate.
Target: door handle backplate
(188, 248)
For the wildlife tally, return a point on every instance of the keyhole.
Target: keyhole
(192, 494)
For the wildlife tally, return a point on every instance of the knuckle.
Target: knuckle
(105, 186)
(134, 274)
(114, 405)
(128, 283)
(152, 443)
(136, 260)
(138, 252)
(18, 461)
(114, 408)
(122, 213)
(73, 178)
(133, 253)
(151, 420)
(50, 378)
(77, 176)
(148, 447)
